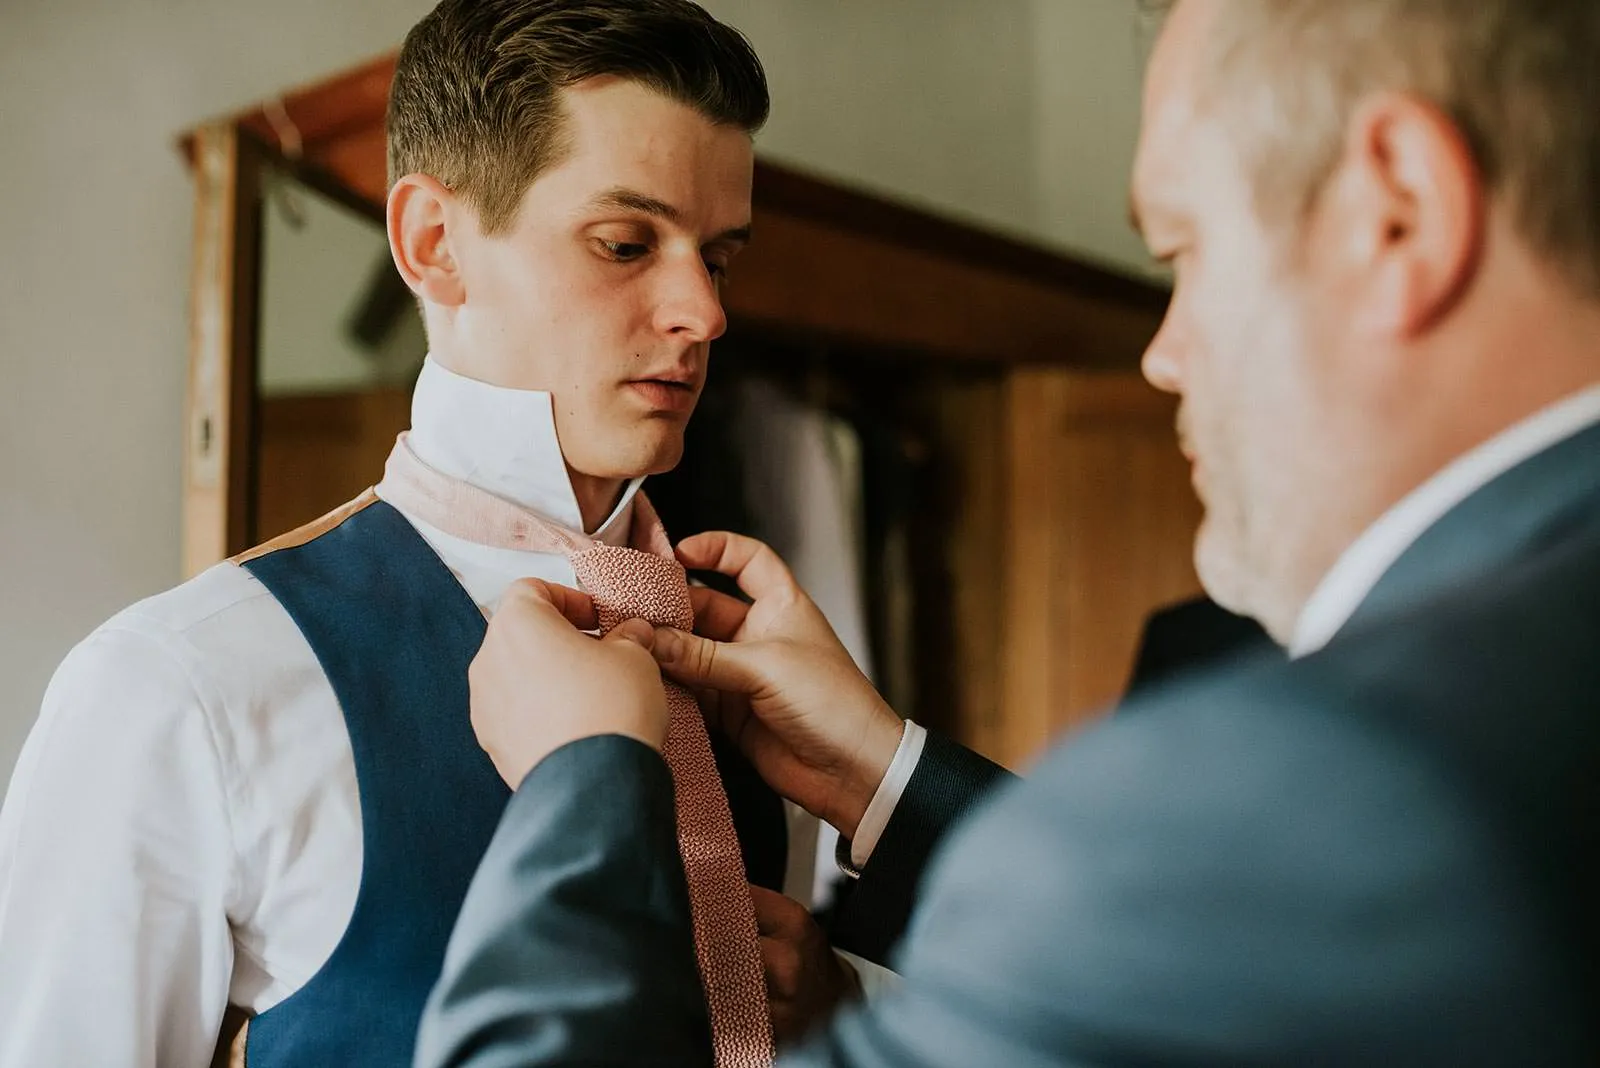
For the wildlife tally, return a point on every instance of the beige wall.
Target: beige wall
(926, 100)
(964, 106)
(1019, 115)
(1086, 84)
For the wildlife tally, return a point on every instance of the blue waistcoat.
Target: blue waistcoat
(394, 632)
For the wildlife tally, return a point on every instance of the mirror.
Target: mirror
(340, 342)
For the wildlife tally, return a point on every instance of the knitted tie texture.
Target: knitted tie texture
(629, 584)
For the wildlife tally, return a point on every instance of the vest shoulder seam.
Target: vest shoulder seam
(310, 531)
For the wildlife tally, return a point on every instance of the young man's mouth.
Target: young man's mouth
(665, 394)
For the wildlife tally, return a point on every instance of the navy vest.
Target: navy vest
(394, 633)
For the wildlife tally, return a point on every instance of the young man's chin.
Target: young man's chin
(651, 450)
(666, 458)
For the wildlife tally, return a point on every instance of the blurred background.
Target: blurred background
(989, 525)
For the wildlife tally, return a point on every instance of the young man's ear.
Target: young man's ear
(419, 217)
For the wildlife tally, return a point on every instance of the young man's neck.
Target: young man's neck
(597, 498)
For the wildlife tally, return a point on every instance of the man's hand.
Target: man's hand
(774, 678)
(806, 980)
(538, 682)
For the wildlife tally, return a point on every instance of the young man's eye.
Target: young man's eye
(717, 271)
(624, 251)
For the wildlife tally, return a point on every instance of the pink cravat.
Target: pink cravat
(644, 582)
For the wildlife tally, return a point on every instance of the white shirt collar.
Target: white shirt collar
(504, 441)
(1358, 570)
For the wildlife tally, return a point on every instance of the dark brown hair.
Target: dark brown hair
(476, 97)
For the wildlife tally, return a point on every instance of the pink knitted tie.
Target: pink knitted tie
(645, 582)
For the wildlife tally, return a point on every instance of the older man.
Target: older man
(1385, 333)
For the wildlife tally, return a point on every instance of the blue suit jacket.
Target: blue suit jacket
(1385, 853)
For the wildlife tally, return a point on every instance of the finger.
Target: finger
(758, 570)
(700, 662)
(575, 605)
(782, 965)
(777, 916)
(716, 615)
(724, 713)
(636, 631)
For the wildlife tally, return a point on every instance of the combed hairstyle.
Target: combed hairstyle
(1519, 78)
(476, 99)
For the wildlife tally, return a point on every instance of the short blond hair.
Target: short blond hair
(1519, 78)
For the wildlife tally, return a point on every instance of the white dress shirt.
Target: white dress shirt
(182, 829)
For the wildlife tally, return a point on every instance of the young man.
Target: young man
(261, 789)
(1385, 333)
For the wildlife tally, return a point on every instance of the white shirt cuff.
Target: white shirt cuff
(883, 803)
(876, 980)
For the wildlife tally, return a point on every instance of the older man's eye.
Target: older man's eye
(623, 251)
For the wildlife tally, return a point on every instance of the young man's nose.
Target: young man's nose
(691, 306)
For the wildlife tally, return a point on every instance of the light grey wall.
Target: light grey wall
(1014, 113)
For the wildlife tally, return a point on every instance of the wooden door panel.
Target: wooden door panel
(1100, 530)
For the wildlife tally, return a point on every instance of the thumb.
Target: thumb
(777, 914)
(701, 662)
(636, 631)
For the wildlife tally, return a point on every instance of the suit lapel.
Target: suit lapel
(1525, 509)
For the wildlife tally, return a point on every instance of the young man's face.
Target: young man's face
(605, 290)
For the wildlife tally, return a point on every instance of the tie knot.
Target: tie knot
(629, 584)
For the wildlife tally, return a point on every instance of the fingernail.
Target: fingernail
(667, 644)
(637, 631)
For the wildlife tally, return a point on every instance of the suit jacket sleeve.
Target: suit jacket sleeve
(1230, 876)
(574, 946)
(1223, 883)
(875, 909)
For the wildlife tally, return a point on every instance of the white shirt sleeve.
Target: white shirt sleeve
(883, 803)
(115, 866)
